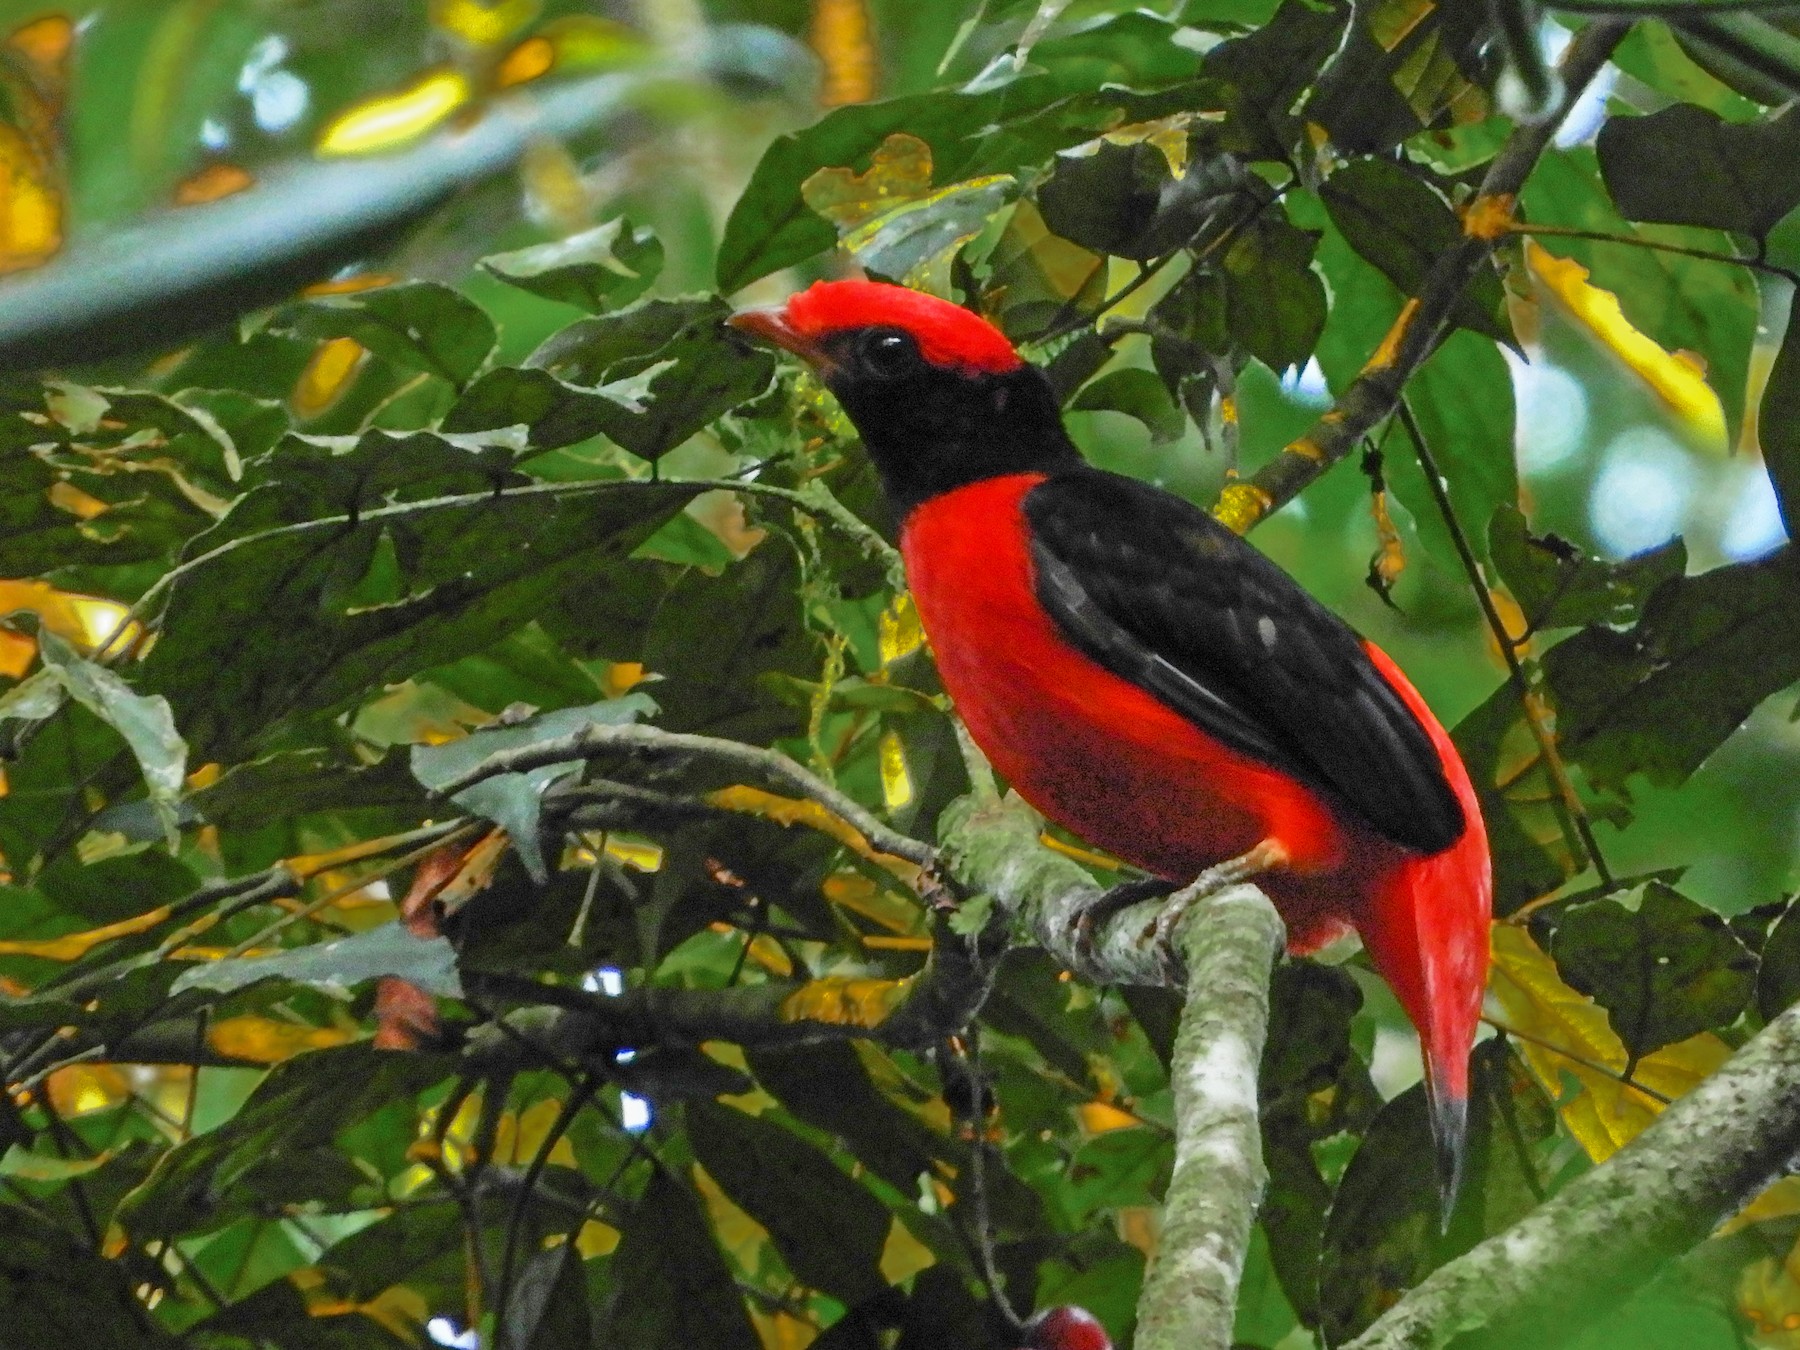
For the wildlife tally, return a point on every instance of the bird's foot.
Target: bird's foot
(1090, 918)
(1164, 929)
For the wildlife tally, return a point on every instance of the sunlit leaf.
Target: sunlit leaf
(602, 268)
(74, 946)
(845, 1000)
(388, 121)
(798, 811)
(268, 1040)
(1570, 1035)
(842, 36)
(483, 24)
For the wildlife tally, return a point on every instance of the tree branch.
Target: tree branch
(1231, 941)
(1581, 1252)
(1424, 322)
(646, 742)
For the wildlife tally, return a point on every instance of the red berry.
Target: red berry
(1066, 1328)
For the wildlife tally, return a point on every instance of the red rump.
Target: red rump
(947, 334)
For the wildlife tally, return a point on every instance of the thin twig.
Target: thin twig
(1546, 743)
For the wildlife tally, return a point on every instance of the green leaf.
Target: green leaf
(1274, 303)
(671, 1289)
(829, 1229)
(1661, 697)
(420, 325)
(667, 364)
(1778, 424)
(266, 627)
(1688, 166)
(338, 967)
(1665, 971)
(1560, 585)
(1400, 226)
(143, 720)
(1312, 1086)
(512, 800)
(1125, 200)
(1138, 393)
(1081, 88)
(1383, 1234)
(1463, 400)
(1778, 975)
(554, 414)
(598, 269)
(55, 1290)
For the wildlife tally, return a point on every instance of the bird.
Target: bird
(1152, 682)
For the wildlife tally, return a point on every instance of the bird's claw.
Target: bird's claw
(1085, 927)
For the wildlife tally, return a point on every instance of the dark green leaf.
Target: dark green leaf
(1778, 977)
(549, 1307)
(1660, 698)
(598, 269)
(56, 1291)
(827, 1227)
(1688, 166)
(667, 365)
(420, 325)
(1138, 393)
(1274, 303)
(671, 1289)
(1666, 971)
(270, 625)
(1778, 424)
(1399, 225)
(1125, 200)
(1560, 585)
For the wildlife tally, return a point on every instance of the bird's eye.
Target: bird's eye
(888, 353)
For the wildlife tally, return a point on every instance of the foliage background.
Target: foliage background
(273, 583)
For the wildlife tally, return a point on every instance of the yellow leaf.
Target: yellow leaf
(1674, 377)
(1607, 1113)
(86, 621)
(899, 172)
(83, 1088)
(520, 1136)
(846, 1000)
(841, 36)
(896, 782)
(74, 946)
(1779, 1201)
(596, 1239)
(903, 1255)
(217, 180)
(390, 120)
(483, 25)
(329, 371)
(1104, 1117)
(267, 1040)
(801, 811)
(1391, 20)
(531, 58)
(736, 1231)
(1086, 856)
(861, 895)
(899, 630)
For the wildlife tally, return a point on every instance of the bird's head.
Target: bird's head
(938, 393)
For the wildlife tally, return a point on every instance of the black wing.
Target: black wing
(1161, 594)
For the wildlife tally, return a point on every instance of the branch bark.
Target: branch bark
(1230, 942)
(1581, 1252)
(1424, 322)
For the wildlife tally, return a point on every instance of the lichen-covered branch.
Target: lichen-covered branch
(1424, 322)
(1581, 1252)
(1230, 942)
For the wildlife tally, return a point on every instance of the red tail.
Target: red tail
(1426, 930)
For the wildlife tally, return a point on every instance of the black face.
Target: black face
(930, 429)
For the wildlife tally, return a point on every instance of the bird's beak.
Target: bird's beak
(771, 325)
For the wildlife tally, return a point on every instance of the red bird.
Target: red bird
(1147, 679)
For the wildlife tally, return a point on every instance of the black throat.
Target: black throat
(935, 429)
